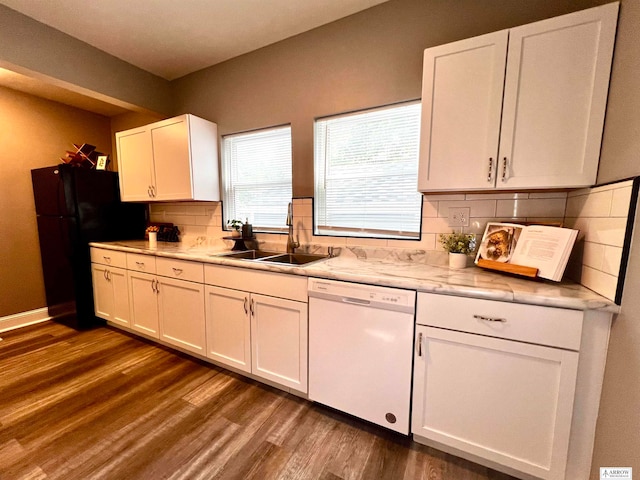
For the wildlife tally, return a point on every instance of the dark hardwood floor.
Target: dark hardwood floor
(101, 404)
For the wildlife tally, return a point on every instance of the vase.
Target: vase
(457, 260)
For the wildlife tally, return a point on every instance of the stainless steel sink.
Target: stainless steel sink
(294, 258)
(275, 257)
(251, 254)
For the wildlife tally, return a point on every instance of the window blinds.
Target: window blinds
(256, 175)
(366, 170)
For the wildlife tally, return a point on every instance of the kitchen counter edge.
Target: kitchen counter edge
(471, 282)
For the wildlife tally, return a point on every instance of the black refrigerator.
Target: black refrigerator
(75, 206)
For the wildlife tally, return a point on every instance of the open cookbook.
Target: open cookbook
(541, 247)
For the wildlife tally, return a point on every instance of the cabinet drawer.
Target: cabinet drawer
(281, 285)
(141, 263)
(555, 327)
(111, 258)
(182, 269)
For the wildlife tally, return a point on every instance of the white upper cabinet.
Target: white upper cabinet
(174, 159)
(461, 104)
(135, 164)
(543, 129)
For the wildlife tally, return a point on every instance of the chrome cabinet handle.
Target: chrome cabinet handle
(177, 271)
(420, 344)
(490, 319)
(246, 310)
(490, 174)
(504, 169)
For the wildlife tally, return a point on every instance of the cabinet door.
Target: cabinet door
(121, 308)
(102, 292)
(461, 105)
(181, 311)
(228, 327)
(144, 303)
(279, 341)
(172, 160)
(135, 164)
(555, 98)
(507, 402)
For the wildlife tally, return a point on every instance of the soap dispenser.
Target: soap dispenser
(247, 230)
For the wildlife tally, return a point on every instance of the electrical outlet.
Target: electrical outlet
(459, 216)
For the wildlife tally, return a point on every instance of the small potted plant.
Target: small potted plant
(235, 226)
(459, 246)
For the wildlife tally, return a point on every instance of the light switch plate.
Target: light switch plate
(459, 216)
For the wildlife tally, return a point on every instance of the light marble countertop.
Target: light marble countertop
(420, 270)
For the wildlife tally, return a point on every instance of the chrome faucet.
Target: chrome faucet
(292, 244)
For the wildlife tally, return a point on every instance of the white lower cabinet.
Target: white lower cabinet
(511, 386)
(507, 402)
(169, 309)
(144, 303)
(181, 314)
(279, 341)
(228, 327)
(257, 323)
(253, 321)
(110, 293)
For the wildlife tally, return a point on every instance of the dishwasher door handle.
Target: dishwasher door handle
(355, 301)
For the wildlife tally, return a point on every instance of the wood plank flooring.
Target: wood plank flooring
(101, 404)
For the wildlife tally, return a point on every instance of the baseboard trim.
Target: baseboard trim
(23, 319)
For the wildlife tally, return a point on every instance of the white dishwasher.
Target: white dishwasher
(361, 350)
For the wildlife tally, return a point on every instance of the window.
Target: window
(366, 173)
(256, 177)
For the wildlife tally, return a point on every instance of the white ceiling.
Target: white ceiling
(172, 38)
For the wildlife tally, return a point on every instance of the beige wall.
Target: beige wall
(33, 133)
(369, 59)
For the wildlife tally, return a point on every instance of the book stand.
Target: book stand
(530, 272)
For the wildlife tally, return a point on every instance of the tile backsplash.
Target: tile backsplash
(204, 219)
(599, 213)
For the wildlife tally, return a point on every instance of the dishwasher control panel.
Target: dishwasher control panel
(366, 295)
